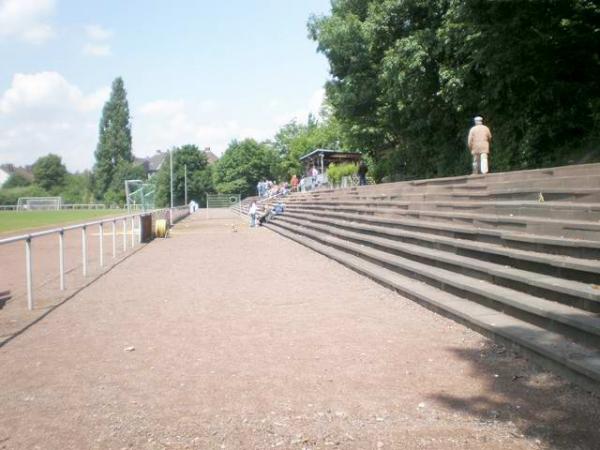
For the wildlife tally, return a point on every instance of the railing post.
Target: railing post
(132, 232)
(124, 235)
(114, 238)
(84, 249)
(29, 274)
(61, 258)
(101, 243)
(140, 229)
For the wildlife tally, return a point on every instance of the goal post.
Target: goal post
(222, 205)
(39, 203)
(139, 195)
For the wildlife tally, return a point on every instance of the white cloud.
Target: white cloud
(97, 32)
(315, 103)
(98, 36)
(162, 107)
(42, 113)
(313, 106)
(26, 20)
(96, 50)
(164, 123)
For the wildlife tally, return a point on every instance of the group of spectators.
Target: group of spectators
(267, 188)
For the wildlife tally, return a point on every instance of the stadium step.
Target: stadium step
(515, 255)
(578, 269)
(401, 257)
(581, 248)
(563, 354)
(546, 226)
(558, 210)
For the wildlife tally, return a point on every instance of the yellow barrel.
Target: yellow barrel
(160, 228)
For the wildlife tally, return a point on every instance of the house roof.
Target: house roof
(151, 163)
(156, 160)
(26, 172)
(210, 156)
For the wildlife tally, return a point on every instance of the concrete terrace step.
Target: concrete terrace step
(550, 348)
(578, 229)
(480, 290)
(577, 195)
(505, 256)
(581, 248)
(526, 208)
(575, 184)
(590, 178)
(534, 175)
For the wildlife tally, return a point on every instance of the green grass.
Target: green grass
(12, 221)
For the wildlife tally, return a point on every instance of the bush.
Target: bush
(335, 172)
(10, 196)
(16, 180)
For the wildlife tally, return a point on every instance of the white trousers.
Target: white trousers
(480, 163)
(483, 163)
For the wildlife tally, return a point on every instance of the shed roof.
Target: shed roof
(331, 153)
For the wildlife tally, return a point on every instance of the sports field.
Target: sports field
(13, 221)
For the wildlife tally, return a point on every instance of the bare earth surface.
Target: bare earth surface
(217, 338)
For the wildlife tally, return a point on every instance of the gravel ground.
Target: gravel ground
(228, 337)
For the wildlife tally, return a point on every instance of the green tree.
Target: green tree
(294, 140)
(115, 195)
(113, 152)
(199, 177)
(16, 180)
(50, 173)
(78, 188)
(243, 165)
(409, 75)
(12, 195)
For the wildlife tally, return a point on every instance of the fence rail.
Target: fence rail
(132, 235)
(63, 206)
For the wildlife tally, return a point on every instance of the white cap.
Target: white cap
(478, 119)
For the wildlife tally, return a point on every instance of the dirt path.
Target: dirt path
(242, 339)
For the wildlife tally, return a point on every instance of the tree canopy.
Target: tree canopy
(407, 77)
(243, 165)
(296, 139)
(16, 180)
(50, 173)
(199, 176)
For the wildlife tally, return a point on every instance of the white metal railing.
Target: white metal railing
(309, 183)
(83, 206)
(132, 235)
(63, 206)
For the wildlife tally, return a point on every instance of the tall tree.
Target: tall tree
(243, 165)
(113, 152)
(199, 177)
(50, 173)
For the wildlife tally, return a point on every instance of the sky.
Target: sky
(196, 72)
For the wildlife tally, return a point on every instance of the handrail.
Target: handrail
(175, 214)
(24, 237)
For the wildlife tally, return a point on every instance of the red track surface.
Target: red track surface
(243, 339)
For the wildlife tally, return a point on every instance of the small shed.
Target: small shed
(321, 158)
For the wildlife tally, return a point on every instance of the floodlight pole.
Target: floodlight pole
(185, 183)
(127, 196)
(171, 164)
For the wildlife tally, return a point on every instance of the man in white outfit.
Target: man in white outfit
(479, 141)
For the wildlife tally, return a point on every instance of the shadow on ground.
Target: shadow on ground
(4, 297)
(568, 418)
